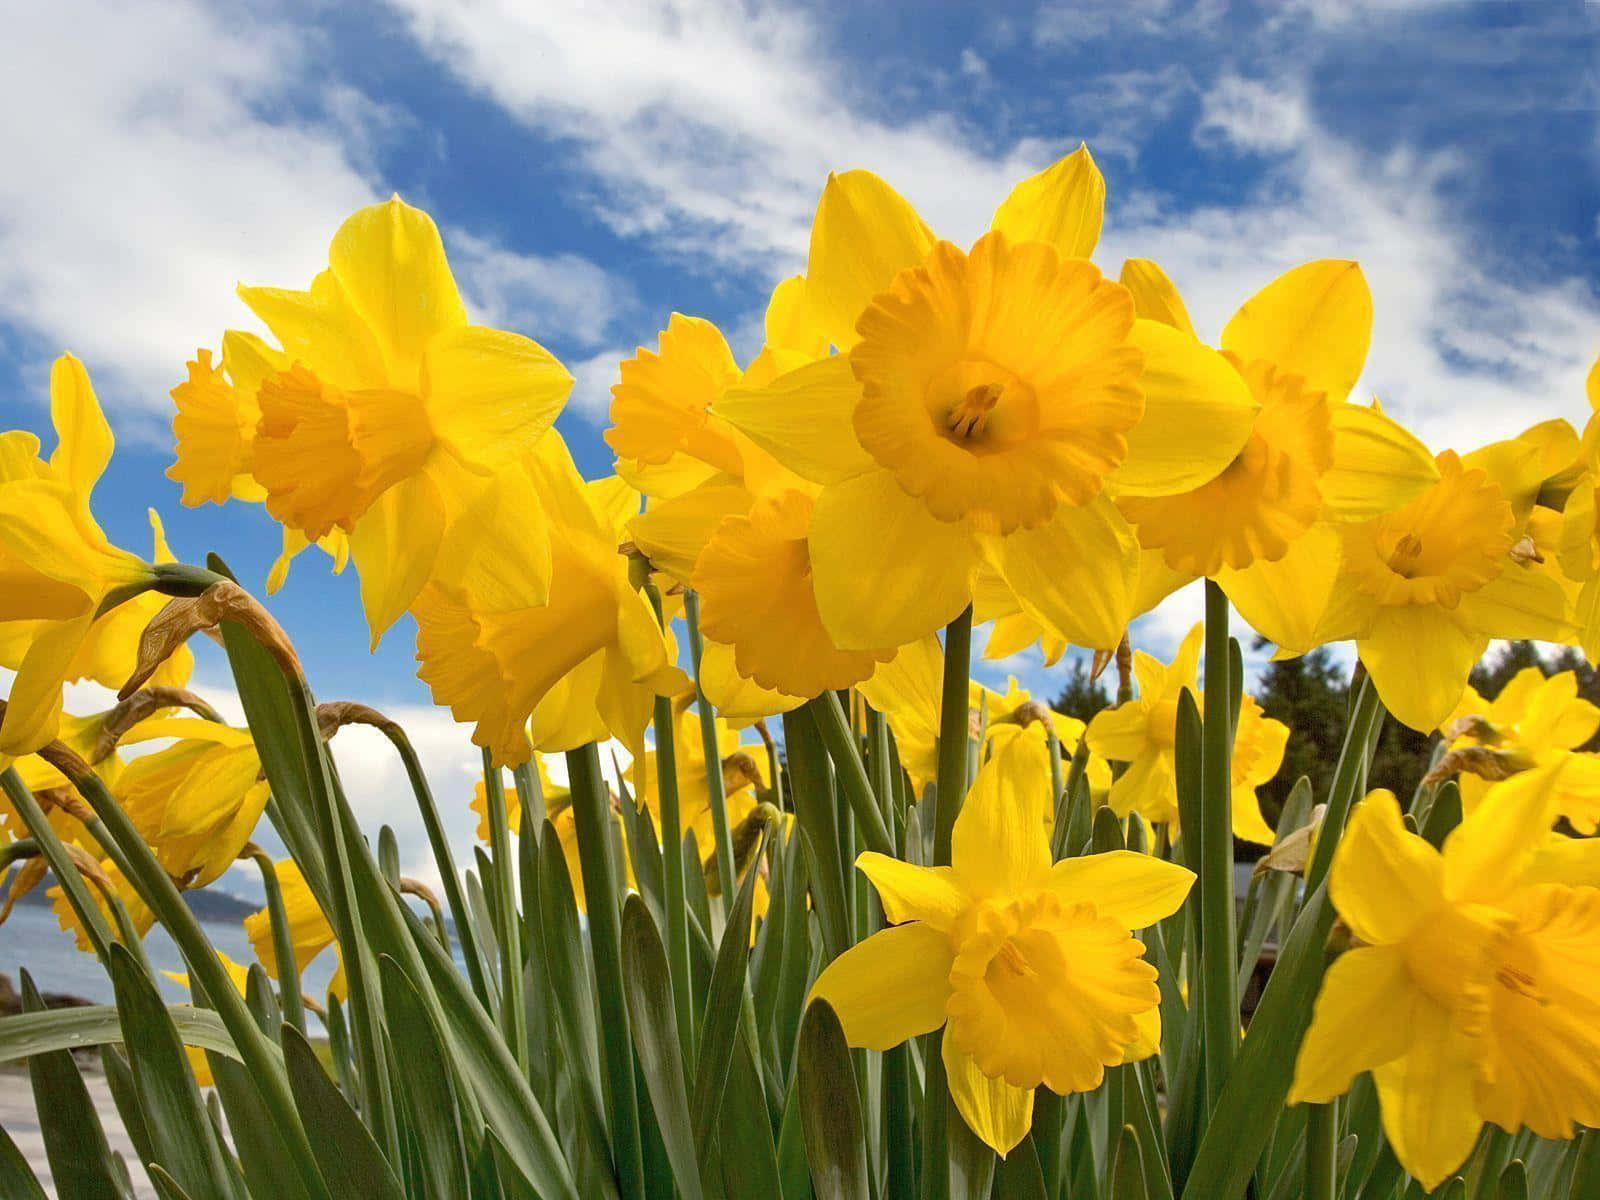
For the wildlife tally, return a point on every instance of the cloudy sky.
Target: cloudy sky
(596, 167)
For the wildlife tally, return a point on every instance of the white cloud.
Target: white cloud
(592, 379)
(1252, 115)
(564, 296)
(710, 124)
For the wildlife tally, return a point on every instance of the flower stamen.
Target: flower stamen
(971, 413)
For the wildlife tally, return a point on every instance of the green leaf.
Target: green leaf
(181, 1138)
(1019, 1176)
(350, 1160)
(724, 1005)
(1127, 1168)
(744, 1134)
(166, 1184)
(794, 1174)
(655, 1039)
(426, 1085)
(26, 1034)
(830, 1108)
(263, 1155)
(1513, 1182)
(17, 1179)
(119, 1080)
(972, 1162)
(74, 1142)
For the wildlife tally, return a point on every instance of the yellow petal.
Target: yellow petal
(491, 395)
(1419, 657)
(1520, 466)
(395, 545)
(913, 893)
(672, 533)
(1063, 205)
(1314, 321)
(890, 987)
(1378, 466)
(864, 233)
(1198, 412)
(869, 599)
(737, 699)
(84, 440)
(803, 419)
(1121, 734)
(999, 846)
(998, 1113)
(1427, 1097)
(321, 331)
(1362, 1019)
(1521, 602)
(1385, 880)
(1135, 890)
(390, 262)
(791, 321)
(1285, 601)
(660, 405)
(1485, 855)
(1155, 297)
(1076, 574)
(33, 708)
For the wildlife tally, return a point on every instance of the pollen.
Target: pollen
(1522, 984)
(1403, 558)
(971, 413)
(1012, 959)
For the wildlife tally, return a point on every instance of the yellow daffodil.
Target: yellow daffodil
(196, 801)
(558, 811)
(739, 537)
(382, 412)
(1533, 722)
(1580, 531)
(309, 931)
(983, 406)
(1142, 733)
(111, 880)
(1474, 992)
(57, 568)
(1028, 966)
(1299, 344)
(1423, 590)
(906, 690)
(492, 658)
(743, 770)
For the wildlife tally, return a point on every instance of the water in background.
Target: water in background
(31, 938)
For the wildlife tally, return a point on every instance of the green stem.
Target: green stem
(674, 885)
(851, 772)
(591, 811)
(256, 1049)
(460, 914)
(1353, 755)
(953, 732)
(282, 940)
(513, 1014)
(708, 737)
(1322, 1146)
(1220, 997)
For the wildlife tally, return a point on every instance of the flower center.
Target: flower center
(971, 413)
(1407, 552)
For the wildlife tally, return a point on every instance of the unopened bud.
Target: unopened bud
(1483, 761)
(1525, 552)
(336, 714)
(1293, 851)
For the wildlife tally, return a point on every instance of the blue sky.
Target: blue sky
(596, 167)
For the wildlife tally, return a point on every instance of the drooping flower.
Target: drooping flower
(1311, 458)
(1472, 994)
(1030, 968)
(983, 407)
(57, 569)
(492, 658)
(383, 412)
(1533, 722)
(1143, 733)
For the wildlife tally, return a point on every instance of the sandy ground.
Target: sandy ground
(20, 1120)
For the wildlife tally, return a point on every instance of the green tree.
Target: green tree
(1084, 695)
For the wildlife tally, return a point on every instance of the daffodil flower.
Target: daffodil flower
(1533, 722)
(493, 658)
(1029, 966)
(740, 536)
(743, 774)
(1312, 461)
(58, 569)
(1422, 590)
(383, 412)
(1474, 993)
(983, 407)
(1579, 545)
(1143, 732)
